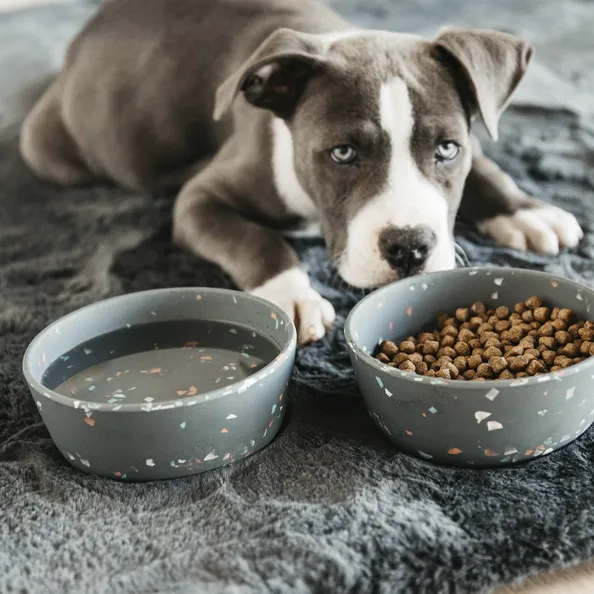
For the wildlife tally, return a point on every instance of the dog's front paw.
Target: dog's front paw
(292, 292)
(541, 228)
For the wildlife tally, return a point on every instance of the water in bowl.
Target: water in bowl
(159, 362)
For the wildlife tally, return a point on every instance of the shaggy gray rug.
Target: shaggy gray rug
(330, 505)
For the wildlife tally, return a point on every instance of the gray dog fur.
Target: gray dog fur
(330, 506)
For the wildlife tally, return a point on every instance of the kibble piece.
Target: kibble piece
(533, 302)
(586, 334)
(449, 331)
(592, 351)
(515, 334)
(430, 373)
(514, 352)
(430, 347)
(491, 352)
(574, 331)
(522, 374)
(479, 379)
(518, 363)
(493, 342)
(451, 322)
(461, 364)
(429, 359)
(443, 361)
(554, 313)
(448, 341)
(478, 352)
(548, 357)
(502, 312)
(478, 308)
(447, 352)
(485, 336)
(441, 318)
(452, 369)
(556, 368)
(502, 325)
(498, 364)
(392, 364)
(462, 349)
(532, 353)
(520, 308)
(565, 314)
(400, 358)
(569, 350)
(562, 361)
(412, 339)
(382, 357)
(542, 314)
(407, 366)
(492, 321)
(474, 361)
(558, 325)
(465, 335)
(443, 373)
(562, 337)
(528, 316)
(546, 330)
(421, 368)
(484, 328)
(463, 314)
(548, 341)
(389, 348)
(425, 336)
(408, 347)
(506, 374)
(415, 358)
(470, 374)
(475, 343)
(484, 370)
(475, 322)
(535, 367)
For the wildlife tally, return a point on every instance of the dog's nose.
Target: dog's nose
(406, 249)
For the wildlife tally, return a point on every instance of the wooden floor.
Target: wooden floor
(577, 580)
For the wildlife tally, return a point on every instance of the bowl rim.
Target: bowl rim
(459, 385)
(286, 351)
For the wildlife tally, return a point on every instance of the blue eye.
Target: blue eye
(343, 154)
(447, 151)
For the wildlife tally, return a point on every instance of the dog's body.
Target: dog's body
(318, 125)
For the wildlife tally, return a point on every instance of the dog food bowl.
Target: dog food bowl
(164, 383)
(491, 423)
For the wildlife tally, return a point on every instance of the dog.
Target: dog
(276, 117)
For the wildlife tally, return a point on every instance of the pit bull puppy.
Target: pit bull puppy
(277, 116)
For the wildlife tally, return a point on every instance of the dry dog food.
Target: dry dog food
(478, 344)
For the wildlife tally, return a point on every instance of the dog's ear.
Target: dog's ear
(493, 63)
(275, 75)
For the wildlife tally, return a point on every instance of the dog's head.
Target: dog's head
(380, 130)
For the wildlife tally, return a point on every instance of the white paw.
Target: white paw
(544, 229)
(292, 292)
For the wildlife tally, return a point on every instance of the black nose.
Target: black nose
(406, 249)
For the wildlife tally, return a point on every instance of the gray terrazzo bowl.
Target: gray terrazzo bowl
(140, 441)
(493, 423)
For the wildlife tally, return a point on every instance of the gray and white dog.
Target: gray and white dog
(277, 116)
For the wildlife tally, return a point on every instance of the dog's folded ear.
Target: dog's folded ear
(275, 75)
(493, 64)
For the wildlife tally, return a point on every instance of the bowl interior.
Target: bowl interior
(92, 337)
(410, 306)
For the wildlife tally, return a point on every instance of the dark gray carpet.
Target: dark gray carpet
(330, 506)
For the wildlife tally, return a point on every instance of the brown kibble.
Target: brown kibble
(443, 361)
(447, 352)
(493, 342)
(498, 364)
(463, 314)
(415, 358)
(478, 308)
(407, 366)
(548, 341)
(462, 349)
(546, 330)
(515, 352)
(491, 352)
(585, 347)
(454, 372)
(484, 328)
(430, 347)
(470, 374)
(569, 350)
(586, 334)
(448, 341)
(429, 359)
(556, 368)
(542, 314)
(412, 339)
(519, 308)
(492, 321)
(475, 322)
(502, 312)
(485, 336)
(449, 331)
(441, 318)
(407, 346)
(522, 374)
(502, 325)
(461, 364)
(533, 302)
(400, 358)
(562, 361)
(554, 313)
(444, 374)
(559, 325)
(515, 334)
(425, 336)
(532, 353)
(382, 357)
(430, 373)
(518, 363)
(389, 348)
(592, 351)
(574, 331)
(465, 335)
(474, 361)
(535, 366)
(528, 316)
(478, 352)
(566, 314)
(475, 343)
(451, 322)
(464, 326)
(506, 374)
(479, 379)
(421, 368)
(548, 357)
(562, 337)
(484, 370)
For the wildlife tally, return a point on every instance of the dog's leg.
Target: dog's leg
(46, 145)
(257, 258)
(493, 201)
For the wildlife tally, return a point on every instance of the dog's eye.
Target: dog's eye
(447, 151)
(343, 154)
